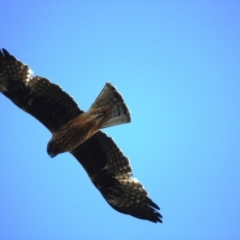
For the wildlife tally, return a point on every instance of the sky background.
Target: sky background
(176, 63)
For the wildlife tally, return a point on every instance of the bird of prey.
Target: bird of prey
(78, 132)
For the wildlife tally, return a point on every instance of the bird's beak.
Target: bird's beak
(52, 155)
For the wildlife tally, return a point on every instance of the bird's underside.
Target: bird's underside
(79, 133)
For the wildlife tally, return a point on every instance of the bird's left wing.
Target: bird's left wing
(111, 173)
(44, 100)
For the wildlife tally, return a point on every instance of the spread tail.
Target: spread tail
(110, 107)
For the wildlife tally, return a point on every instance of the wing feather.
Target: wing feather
(111, 173)
(44, 100)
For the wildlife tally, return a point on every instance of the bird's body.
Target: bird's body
(73, 133)
(79, 133)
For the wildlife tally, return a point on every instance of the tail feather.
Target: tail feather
(118, 112)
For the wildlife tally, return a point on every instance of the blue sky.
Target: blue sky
(176, 63)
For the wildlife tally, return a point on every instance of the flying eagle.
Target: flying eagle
(79, 133)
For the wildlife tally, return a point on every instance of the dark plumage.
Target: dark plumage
(79, 133)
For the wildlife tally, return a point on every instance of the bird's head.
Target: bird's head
(52, 149)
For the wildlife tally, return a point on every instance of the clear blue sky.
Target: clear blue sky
(176, 64)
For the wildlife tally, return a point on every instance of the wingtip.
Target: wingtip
(156, 216)
(5, 53)
(159, 218)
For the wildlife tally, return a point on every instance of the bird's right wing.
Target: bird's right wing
(111, 173)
